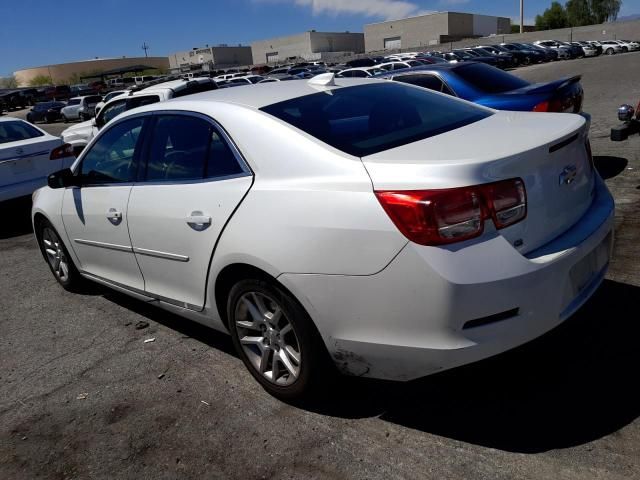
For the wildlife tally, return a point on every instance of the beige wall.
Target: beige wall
(217, 56)
(432, 29)
(62, 72)
(307, 45)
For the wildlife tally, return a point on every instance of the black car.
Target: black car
(529, 55)
(471, 56)
(505, 60)
(45, 111)
(549, 53)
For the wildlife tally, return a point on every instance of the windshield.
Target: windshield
(463, 54)
(489, 79)
(367, 119)
(14, 131)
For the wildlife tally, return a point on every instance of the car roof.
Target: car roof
(261, 94)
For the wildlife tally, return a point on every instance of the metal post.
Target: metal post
(521, 16)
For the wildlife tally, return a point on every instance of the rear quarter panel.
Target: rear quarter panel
(311, 208)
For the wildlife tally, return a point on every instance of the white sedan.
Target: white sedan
(27, 156)
(371, 226)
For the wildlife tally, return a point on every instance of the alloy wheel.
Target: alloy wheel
(55, 254)
(268, 338)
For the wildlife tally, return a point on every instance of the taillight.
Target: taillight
(64, 150)
(549, 106)
(440, 217)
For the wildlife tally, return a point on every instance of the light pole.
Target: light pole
(521, 16)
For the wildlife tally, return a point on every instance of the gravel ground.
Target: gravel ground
(81, 395)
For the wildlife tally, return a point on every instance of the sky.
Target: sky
(42, 32)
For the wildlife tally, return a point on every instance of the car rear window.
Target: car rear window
(489, 79)
(15, 131)
(367, 119)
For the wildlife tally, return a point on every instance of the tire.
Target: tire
(609, 51)
(65, 119)
(301, 362)
(30, 118)
(57, 257)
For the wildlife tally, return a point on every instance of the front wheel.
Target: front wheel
(276, 339)
(609, 51)
(58, 257)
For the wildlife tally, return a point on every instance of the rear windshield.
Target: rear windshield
(489, 79)
(367, 119)
(74, 101)
(16, 131)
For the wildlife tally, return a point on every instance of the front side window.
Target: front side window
(367, 119)
(113, 158)
(14, 131)
(188, 148)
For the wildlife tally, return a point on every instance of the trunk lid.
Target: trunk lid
(27, 160)
(547, 151)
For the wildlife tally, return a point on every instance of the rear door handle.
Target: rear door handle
(198, 220)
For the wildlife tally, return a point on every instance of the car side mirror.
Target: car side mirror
(62, 179)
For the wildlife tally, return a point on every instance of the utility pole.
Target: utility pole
(521, 16)
(145, 47)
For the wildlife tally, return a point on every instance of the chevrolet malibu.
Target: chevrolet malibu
(371, 226)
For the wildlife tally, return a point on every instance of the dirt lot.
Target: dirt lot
(81, 395)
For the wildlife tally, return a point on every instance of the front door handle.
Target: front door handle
(198, 220)
(114, 216)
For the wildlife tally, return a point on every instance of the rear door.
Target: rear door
(193, 181)
(24, 156)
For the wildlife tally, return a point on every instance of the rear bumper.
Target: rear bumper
(433, 309)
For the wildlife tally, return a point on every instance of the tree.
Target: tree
(40, 80)
(605, 10)
(553, 17)
(579, 13)
(8, 82)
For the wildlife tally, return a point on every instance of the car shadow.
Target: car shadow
(187, 328)
(609, 167)
(16, 217)
(571, 386)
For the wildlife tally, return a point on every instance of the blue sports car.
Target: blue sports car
(491, 87)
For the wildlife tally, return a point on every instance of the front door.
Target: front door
(193, 182)
(95, 214)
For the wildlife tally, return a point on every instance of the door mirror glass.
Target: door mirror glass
(62, 179)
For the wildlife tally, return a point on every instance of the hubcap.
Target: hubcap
(268, 338)
(55, 254)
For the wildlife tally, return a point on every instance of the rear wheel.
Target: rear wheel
(276, 339)
(64, 118)
(609, 51)
(58, 257)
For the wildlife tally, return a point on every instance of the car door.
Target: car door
(193, 181)
(95, 213)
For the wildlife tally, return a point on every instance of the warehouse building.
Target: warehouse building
(311, 46)
(432, 29)
(71, 72)
(210, 58)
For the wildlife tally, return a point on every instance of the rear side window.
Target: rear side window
(16, 131)
(367, 119)
(426, 81)
(188, 148)
(489, 79)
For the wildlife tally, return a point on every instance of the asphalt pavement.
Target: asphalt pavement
(82, 396)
